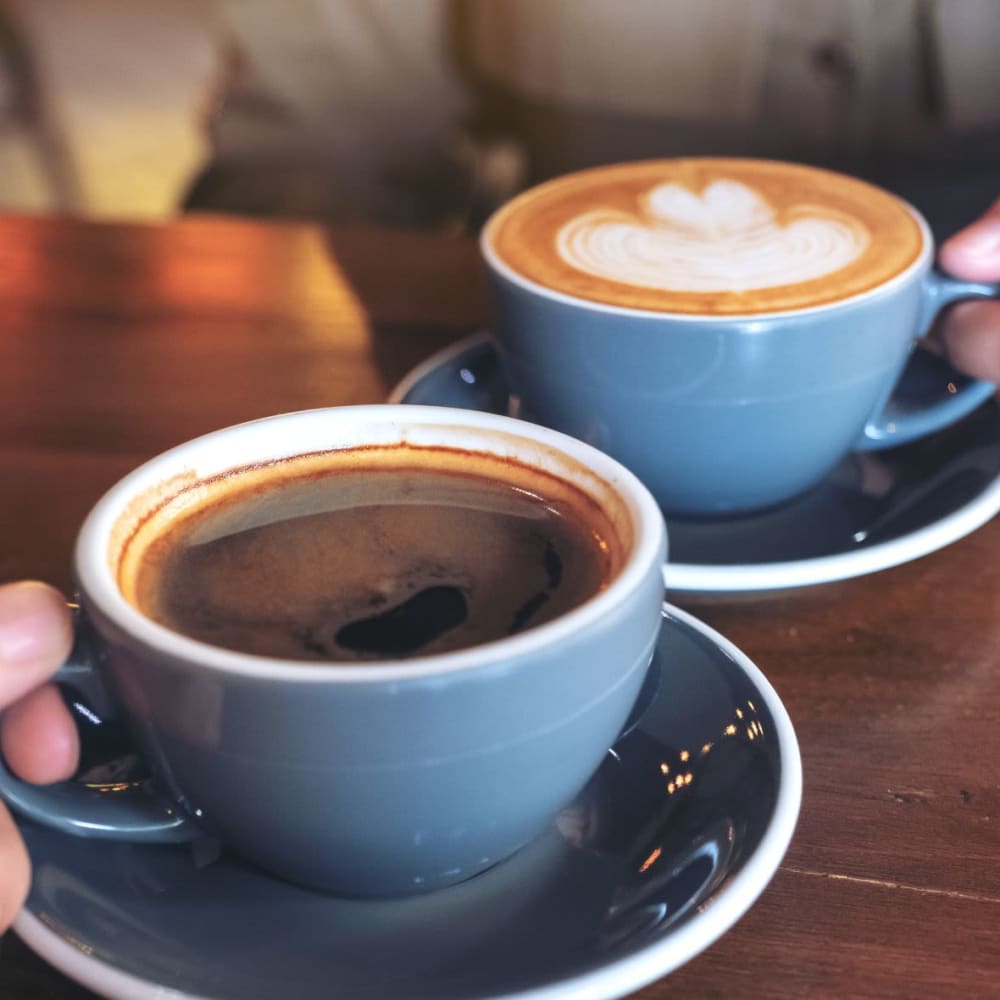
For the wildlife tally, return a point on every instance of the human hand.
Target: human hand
(972, 329)
(37, 736)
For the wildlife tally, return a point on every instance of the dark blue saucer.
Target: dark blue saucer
(669, 844)
(875, 510)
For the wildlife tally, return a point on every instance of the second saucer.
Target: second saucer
(874, 510)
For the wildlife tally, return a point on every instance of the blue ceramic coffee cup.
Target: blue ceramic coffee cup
(390, 777)
(726, 413)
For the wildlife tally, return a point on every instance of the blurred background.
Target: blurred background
(426, 114)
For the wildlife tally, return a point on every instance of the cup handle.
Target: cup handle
(133, 810)
(930, 394)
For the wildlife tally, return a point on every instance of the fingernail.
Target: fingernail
(982, 240)
(28, 630)
(22, 638)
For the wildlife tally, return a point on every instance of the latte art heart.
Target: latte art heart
(727, 239)
(704, 236)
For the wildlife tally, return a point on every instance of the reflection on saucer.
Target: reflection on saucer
(695, 804)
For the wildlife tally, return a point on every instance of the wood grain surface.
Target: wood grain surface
(117, 342)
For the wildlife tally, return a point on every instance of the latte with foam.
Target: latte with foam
(707, 236)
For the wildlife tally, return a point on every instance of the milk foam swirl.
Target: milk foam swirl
(727, 239)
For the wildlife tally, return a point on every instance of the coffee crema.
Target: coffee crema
(707, 236)
(369, 554)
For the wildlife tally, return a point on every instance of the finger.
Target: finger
(38, 739)
(15, 870)
(35, 637)
(971, 335)
(973, 254)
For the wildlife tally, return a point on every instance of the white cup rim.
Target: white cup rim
(269, 438)
(495, 263)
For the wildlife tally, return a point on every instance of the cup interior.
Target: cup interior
(528, 456)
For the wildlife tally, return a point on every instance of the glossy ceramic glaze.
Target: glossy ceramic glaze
(376, 779)
(873, 510)
(719, 415)
(667, 846)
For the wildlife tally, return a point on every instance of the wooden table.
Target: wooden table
(117, 342)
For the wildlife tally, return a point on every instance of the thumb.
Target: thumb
(973, 253)
(35, 637)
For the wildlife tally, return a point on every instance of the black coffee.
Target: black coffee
(370, 561)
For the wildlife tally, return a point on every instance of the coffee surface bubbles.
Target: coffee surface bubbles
(360, 563)
(707, 236)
